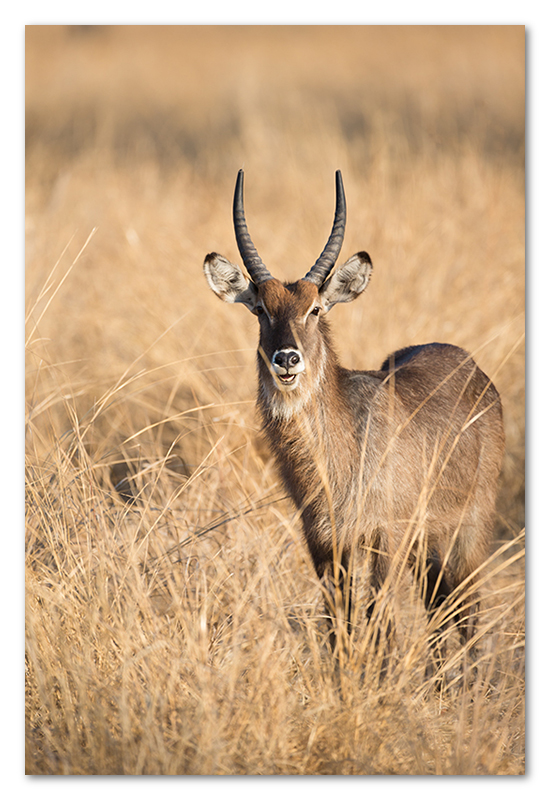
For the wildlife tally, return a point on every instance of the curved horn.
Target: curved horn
(322, 267)
(252, 261)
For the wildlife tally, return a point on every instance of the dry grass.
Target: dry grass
(182, 633)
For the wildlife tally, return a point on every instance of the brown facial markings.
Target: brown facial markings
(287, 341)
(292, 301)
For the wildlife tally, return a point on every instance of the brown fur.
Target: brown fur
(380, 460)
(400, 464)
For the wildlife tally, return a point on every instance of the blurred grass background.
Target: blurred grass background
(135, 372)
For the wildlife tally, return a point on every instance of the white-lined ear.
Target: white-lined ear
(347, 281)
(228, 282)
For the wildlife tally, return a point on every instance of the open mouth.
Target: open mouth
(288, 379)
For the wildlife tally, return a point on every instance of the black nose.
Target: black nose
(287, 359)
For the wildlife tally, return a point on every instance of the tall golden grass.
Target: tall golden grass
(176, 626)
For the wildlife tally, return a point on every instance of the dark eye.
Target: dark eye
(316, 311)
(259, 311)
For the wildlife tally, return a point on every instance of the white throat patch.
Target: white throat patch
(283, 401)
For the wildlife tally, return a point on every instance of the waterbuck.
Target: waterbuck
(400, 464)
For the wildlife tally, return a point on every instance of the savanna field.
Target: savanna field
(174, 622)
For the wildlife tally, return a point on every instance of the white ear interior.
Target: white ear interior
(347, 281)
(228, 282)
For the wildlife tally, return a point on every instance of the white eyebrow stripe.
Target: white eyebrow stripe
(270, 318)
(312, 306)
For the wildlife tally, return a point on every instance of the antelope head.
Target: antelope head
(294, 342)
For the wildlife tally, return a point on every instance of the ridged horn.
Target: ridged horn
(252, 261)
(322, 267)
